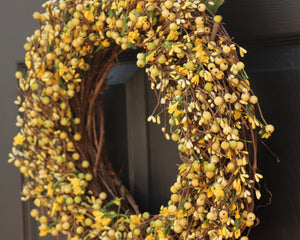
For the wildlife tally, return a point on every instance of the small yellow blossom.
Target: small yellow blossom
(89, 14)
(19, 139)
(80, 218)
(117, 201)
(76, 184)
(253, 121)
(43, 232)
(134, 220)
(150, 237)
(105, 43)
(133, 35)
(195, 80)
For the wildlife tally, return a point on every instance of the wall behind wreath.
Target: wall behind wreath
(16, 23)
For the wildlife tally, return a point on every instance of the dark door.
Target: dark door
(270, 32)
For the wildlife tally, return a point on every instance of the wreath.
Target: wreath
(204, 103)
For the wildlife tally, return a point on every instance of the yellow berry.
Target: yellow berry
(85, 164)
(77, 136)
(218, 18)
(269, 128)
(201, 7)
(19, 74)
(168, 4)
(34, 213)
(253, 99)
(240, 66)
(102, 195)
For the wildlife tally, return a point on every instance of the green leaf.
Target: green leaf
(137, 14)
(214, 8)
(124, 29)
(112, 13)
(233, 194)
(150, 14)
(61, 84)
(167, 229)
(49, 48)
(249, 111)
(54, 185)
(131, 45)
(237, 223)
(100, 47)
(243, 74)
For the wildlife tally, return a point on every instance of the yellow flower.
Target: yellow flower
(237, 233)
(182, 70)
(50, 190)
(105, 43)
(62, 68)
(258, 194)
(117, 201)
(227, 233)
(174, 111)
(89, 15)
(265, 135)
(182, 168)
(55, 208)
(134, 220)
(76, 186)
(218, 191)
(173, 108)
(66, 36)
(162, 236)
(164, 212)
(37, 202)
(195, 80)
(208, 192)
(173, 35)
(141, 20)
(149, 237)
(80, 218)
(198, 45)
(229, 154)
(60, 199)
(105, 221)
(180, 214)
(202, 56)
(43, 232)
(28, 60)
(237, 185)
(150, 57)
(253, 121)
(176, 48)
(237, 114)
(133, 35)
(19, 139)
(42, 71)
(242, 52)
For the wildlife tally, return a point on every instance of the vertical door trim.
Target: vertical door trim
(138, 157)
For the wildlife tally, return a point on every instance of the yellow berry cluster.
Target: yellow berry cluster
(195, 71)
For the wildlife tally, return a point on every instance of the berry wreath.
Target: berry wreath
(202, 91)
